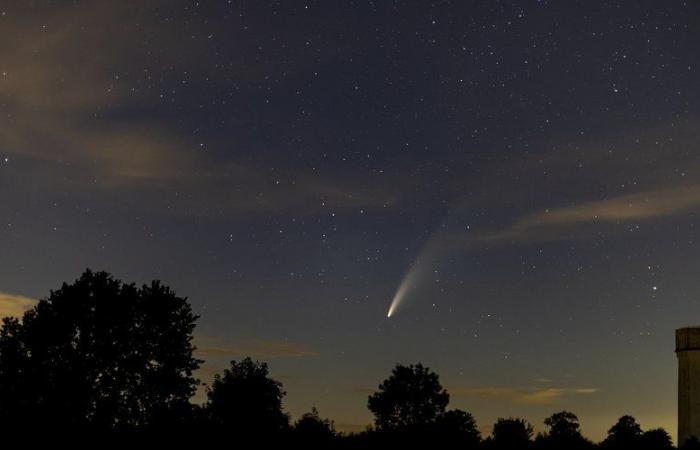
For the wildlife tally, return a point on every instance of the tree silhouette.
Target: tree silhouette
(510, 434)
(626, 434)
(457, 429)
(563, 424)
(314, 432)
(657, 439)
(692, 443)
(247, 400)
(411, 398)
(564, 432)
(98, 354)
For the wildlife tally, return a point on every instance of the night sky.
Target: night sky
(528, 172)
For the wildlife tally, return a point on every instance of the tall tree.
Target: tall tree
(99, 353)
(411, 398)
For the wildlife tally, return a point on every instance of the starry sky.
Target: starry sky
(529, 171)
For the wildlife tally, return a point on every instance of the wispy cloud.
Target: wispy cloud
(83, 125)
(216, 348)
(545, 395)
(60, 107)
(564, 222)
(12, 305)
(637, 206)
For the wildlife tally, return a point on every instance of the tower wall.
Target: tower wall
(688, 352)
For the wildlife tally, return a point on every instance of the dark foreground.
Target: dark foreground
(102, 362)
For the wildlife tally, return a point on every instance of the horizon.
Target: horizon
(545, 400)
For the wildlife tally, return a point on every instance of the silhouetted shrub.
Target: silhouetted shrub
(510, 434)
(656, 439)
(246, 401)
(312, 431)
(456, 429)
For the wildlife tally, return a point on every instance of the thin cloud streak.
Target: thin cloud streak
(535, 396)
(564, 222)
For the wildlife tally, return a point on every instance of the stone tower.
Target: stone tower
(688, 352)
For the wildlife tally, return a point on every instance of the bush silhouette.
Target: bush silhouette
(510, 434)
(98, 354)
(457, 429)
(656, 439)
(313, 431)
(246, 400)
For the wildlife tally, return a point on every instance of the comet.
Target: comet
(414, 275)
(407, 284)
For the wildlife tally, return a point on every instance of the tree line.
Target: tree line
(104, 358)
